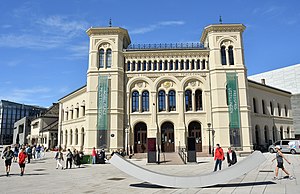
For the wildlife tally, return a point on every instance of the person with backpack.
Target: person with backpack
(69, 159)
(8, 155)
(219, 157)
(59, 157)
(22, 160)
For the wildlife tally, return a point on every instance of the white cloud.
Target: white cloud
(153, 27)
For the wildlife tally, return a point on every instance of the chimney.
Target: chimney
(263, 81)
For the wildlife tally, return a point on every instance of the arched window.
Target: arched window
(149, 65)
(135, 101)
(274, 134)
(288, 132)
(188, 100)
(108, 58)
(171, 65)
(198, 100)
(198, 64)
(66, 138)
(160, 65)
(144, 65)
(101, 58)
(172, 100)
(187, 65)
(279, 109)
(165, 65)
(203, 64)
(76, 137)
(128, 65)
(71, 135)
(155, 65)
(266, 134)
(285, 110)
(145, 101)
(281, 132)
(230, 55)
(133, 66)
(161, 101)
(176, 65)
(223, 55)
(263, 107)
(193, 64)
(271, 108)
(82, 136)
(257, 137)
(182, 65)
(254, 106)
(139, 66)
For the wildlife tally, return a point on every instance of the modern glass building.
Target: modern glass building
(10, 112)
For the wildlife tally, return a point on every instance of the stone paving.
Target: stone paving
(42, 177)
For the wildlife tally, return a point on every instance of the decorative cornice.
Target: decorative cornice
(166, 54)
(109, 31)
(222, 28)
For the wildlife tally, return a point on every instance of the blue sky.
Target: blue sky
(44, 46)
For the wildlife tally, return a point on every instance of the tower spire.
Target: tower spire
(220, 20)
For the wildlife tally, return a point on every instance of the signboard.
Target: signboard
(233, 109)
(102, 102)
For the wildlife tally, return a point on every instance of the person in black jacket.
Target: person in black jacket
(231, 157)
(8, 155)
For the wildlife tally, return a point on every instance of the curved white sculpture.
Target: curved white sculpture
(204, 180)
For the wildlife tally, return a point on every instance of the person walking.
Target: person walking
(8, 155)
(59, 157)
(22, 158)
(69, 159)
(279, 157)
(16, 153)
(29, 153)
(219, 157)
(77, 159)
(231, 157)
(33, 152)
(94, 154)
(37, 151)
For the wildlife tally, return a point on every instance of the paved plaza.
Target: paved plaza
(42, 177)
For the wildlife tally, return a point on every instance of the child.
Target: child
(22, 157)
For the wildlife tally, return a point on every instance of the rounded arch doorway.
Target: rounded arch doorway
(140, 138)
(194, 130)
(167, 137)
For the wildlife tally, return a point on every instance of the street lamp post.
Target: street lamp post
(213, 141)
(127, 139)
(209, 143)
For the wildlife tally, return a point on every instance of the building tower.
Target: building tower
(105, 94)
(230, 114)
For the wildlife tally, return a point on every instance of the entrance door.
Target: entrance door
(167, 137)
(140, 138)
(195, 131)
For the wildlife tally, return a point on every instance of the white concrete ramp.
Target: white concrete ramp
(204, 180)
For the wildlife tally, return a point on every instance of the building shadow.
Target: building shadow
(149, 186)
(248, 184)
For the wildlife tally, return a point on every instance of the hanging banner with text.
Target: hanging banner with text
(233, 109)
(102, 102)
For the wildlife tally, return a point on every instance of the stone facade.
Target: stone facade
(164, 92)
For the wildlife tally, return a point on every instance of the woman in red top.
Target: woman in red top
(22, 157)
(219, 157)
(94, 154)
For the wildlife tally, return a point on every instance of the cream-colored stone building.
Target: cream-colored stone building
(168, 92)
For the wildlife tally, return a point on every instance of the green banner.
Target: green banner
(102, 102)
(233, 100)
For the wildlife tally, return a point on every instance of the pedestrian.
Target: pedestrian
(69, 159)
(8, 155)
(59, 157)
(42, 152)
(16, 153)
(231, 157)
(29, 153)
(33, 152)
(94, 154)
(22, 158)
(219, 157)
(37, 151)
(279, 157)
(77, 159)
